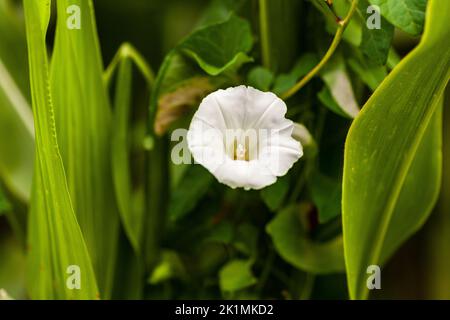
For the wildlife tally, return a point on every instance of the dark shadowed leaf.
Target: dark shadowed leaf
(293, 244)
(375, 43)
(326, 193)
(260, 78)
(274, 195)
(236, 275)
(192, 187)
(220, 47)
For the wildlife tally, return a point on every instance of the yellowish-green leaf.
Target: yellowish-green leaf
(171, 266)
(390, 157)
(83, 122)
(55, 238)
(236, 275)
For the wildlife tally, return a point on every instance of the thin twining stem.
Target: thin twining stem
(337, 39)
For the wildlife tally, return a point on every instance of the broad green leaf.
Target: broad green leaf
(384, 166)
(426, 169)
(174, 70)
(260, 78)
(408, 15)
(437, 255)
(16, 118)
(375, 43)
(236, 275)
(83, 123)
(54, 236)
(293, 244)
(179, 88)
(220, 47)
(192, 187)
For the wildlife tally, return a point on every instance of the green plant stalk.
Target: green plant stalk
(158, 190)
(264, 33)
(325, 9)
(331, 50)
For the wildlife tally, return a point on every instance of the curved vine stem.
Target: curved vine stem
(336, 41)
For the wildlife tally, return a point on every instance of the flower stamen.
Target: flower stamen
(241, 152)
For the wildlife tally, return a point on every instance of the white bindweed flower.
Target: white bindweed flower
(242, 137)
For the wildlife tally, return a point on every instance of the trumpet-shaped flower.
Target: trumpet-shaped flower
(242, 137)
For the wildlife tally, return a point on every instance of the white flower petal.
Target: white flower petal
(244, 174)
(280, 157)
(250, 115)
(230, 103)
(206, 145)
(264, 110)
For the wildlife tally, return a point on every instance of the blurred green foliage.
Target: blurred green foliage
(181, 233)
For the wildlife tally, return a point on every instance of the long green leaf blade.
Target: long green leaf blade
(383, 147)
(55, 239)
(83, 117)
(130, 201)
